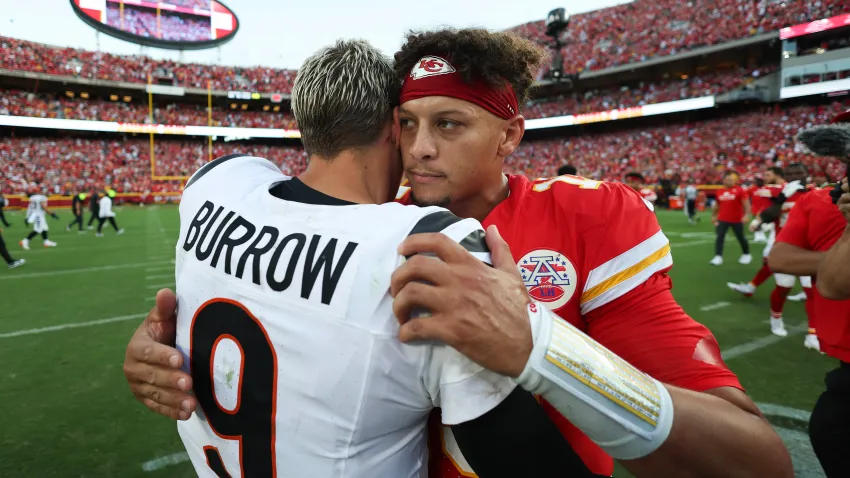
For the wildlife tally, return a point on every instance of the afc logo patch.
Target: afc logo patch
(549, 276)
(431, 66)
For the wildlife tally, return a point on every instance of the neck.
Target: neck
(346, 177)
(482, 204)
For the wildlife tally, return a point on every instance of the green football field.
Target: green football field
(66, 317)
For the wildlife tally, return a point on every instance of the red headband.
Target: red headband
(434, 76)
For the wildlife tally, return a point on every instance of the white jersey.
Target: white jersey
(286, 321)
(691, 192)
(36, 206)
(104, 207)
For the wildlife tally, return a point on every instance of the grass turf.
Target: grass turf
(67, 411)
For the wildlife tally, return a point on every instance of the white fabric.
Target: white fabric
(351, 400)
(39, 222)
(806, 281)
(691, 192)
(105, 207)
(784, 280)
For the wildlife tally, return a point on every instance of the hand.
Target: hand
(479, 310)
(844, 200)
(792, 188)
(152, 367)
(747, 217)
(755, 225)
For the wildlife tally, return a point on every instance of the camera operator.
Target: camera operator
(814, 242)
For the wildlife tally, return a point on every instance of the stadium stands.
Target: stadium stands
(701, 150)
(19, 103)
(30, 56)
(645, 29)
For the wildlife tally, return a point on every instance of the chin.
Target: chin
(427, 200)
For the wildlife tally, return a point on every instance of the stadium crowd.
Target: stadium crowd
(29, 56)
(590, 101)
(204, 4)
(645, 29)
(618, 35)
(167, 26)
(20, 103)
(701, 151)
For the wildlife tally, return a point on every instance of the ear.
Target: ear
(513, 132)
(396, 131)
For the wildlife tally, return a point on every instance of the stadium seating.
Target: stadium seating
(645, 29)
(702, 150)
(30, 56)
(19, 103)
(706, 84)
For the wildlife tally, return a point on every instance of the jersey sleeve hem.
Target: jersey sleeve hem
(473, 397)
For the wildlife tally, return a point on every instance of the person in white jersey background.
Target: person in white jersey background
(690, 194)
(37, 213)
(286, 320)
(105, 213)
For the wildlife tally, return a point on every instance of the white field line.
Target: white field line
(72, 325)
(78, 271)
(160, 277)
(169, 285)
(718, 305)
(760, 343)
(163, 461)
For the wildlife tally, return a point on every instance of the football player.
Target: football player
(781, 197)
(285, 316)
(105, 213)
(731, 209)
(37, 213)
(593, 252)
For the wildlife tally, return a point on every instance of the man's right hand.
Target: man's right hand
(152, 364)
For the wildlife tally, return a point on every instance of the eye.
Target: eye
(447, 124)
(405, 122)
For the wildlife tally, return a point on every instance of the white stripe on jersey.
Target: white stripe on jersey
(623, 273)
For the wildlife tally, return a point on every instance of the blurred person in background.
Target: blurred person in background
(77, 210)
(635, 181)
(105, 212)
(690, 194)
(730, 210)
(94, 207)
(4, 253)
(37, 213)
(3, 204)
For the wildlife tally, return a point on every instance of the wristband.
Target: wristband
(626, 412)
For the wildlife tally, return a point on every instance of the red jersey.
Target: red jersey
(730, 203)
(594, 253)
(816, 224)
(762, 197)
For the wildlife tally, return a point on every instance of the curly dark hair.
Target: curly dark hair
(477, 53)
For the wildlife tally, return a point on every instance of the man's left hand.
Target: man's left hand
(479, 310)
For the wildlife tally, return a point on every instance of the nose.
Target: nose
(423, 147)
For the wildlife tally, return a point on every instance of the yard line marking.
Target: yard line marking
(77, 271)
(161, 276)
(163, 461)
(716, 306)
(691, 243)
(159, 268)
(761, 343)
(72, 325)
(169, 285)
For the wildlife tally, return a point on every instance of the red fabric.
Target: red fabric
(762, 275)
(762, 197)
(816, 224)
(434, 76)
(777, 301)
(731, 204)
(590, 223)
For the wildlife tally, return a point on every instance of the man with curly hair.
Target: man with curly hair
(593, 252)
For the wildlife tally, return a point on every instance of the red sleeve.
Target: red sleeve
(650, 330)
(796, 226)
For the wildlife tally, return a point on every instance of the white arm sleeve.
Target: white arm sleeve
(625, 411)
